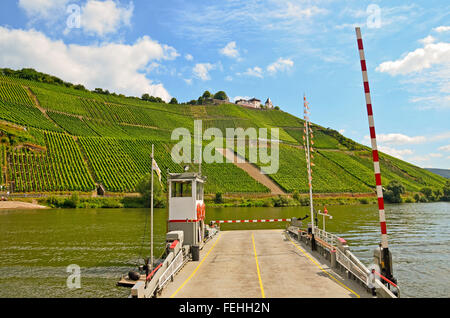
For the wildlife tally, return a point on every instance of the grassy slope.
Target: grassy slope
(114, 134)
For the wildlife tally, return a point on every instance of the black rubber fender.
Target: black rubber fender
(133, 275)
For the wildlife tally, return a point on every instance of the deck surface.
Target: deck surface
(255, 264)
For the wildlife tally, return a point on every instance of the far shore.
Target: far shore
(19, 205)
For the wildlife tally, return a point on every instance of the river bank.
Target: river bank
(20, 205)
(134, 200)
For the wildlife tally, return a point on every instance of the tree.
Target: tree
(277, 107)
(393, 191)
(221, 95)
(428, 193)
(218, 198)
(206, 94)
(145, 97)
(173, 101)
(446, 192)
(144, 188)
(192, 102)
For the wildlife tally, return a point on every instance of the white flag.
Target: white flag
(156, 168)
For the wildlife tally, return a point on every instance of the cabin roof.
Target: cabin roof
(184, 176)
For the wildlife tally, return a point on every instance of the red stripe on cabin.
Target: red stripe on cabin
(183, 221)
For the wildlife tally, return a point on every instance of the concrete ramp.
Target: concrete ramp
(252, 171)
(257, 264)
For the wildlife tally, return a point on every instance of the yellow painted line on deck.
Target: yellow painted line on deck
(257, 269)
(321, 268)
(198, 266)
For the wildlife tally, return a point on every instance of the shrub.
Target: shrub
(364, 201)
(72, 202)
(144, 188)
(428, 192)
(280, 201)
(393, 191)
(218, 198)
(304, 201)
(446, 192)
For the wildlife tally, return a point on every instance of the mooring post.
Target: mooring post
(333, 258)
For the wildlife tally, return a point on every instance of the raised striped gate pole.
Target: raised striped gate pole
(308, 161)
(386, 264)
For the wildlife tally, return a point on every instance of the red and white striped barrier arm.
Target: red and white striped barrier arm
(251, 221)
(376, 162)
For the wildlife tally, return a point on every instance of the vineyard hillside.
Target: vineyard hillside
(59, 138)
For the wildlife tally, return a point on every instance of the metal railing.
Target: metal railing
(171, 270)
(326, 236)
(361, 273)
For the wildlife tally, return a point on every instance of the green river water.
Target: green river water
(36, 246)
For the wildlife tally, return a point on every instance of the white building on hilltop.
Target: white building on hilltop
(268, 103)
(253, 103)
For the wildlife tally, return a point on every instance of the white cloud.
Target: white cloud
(201, 70)
(188, 81)
(230, 50)
(229, 78)
(419, 158)
(113, 66)
(399, 139)
(428, 71)
(280, 65)
(398, 153)
(43, 9)
(341, 131)
(427, 40)
(104, 17)
(255, 71)
(418, 60)
(442, 28)
(444, 148)
(435, 155)
(189, 57)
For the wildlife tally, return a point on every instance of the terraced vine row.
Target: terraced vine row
(327, 176)
(60, 168)
(74, 125)
(14, 94)
(227, 178)
(119, 164)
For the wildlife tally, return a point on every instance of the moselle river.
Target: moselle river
(36, 246)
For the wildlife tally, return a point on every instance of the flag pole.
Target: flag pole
(151, 217)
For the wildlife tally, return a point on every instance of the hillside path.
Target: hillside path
(252, 171)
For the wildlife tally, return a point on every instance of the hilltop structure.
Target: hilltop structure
(253, 103)
(268, 103)
(214, 101)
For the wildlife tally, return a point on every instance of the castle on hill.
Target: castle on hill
(254, 103)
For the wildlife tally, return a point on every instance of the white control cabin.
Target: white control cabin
(186, 206)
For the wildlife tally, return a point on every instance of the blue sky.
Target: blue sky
(279, 49)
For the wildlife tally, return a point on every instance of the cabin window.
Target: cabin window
(181, 189)
(199, 191)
